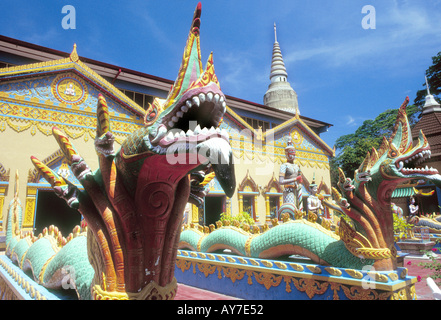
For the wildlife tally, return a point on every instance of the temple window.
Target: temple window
(140, 98)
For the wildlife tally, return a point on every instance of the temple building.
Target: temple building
(42, 87)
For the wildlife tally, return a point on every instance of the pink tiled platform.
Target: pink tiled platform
(422, 290)
(186, 292)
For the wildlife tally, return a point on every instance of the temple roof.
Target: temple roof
(430, 123)
(298, 122)
(74, 64)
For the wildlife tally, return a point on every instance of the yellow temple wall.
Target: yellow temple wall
(18, 147)
(262, 173)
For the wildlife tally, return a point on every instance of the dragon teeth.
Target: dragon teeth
(218, 100)
(170, 136)
(196, 101)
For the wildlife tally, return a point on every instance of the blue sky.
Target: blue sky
(343, 74)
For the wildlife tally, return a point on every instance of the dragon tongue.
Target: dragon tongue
(219, 154)
(226, 176)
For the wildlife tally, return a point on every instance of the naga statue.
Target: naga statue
(365, 233)
(133, 204)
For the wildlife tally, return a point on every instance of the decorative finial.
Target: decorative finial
(275, 32)
(74, 55)
(431, 104)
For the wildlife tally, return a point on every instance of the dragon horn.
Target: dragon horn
(384, 148)
(374, 156)
(341, 175)
(209, 70)
(336, 195)
(404, 104)
(65, 145)
(401, 136)
(422, 140)
(102, 112)
(365, 164)
(191, 66)
(47, 173)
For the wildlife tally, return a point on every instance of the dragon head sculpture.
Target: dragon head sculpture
(134, 202)
(367, 198)
(397, 160)
(184, 127)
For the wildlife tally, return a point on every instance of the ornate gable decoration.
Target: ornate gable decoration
(72, 90)
(273, 186)
(248, 184)
(69, 89)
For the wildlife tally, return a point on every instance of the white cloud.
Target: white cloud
(350, 121)
(400, 28)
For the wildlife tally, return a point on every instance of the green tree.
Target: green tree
(351, 149)
(433, 74)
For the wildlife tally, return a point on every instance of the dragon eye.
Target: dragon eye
(393, 152)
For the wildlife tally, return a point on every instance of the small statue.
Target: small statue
(314, 203)
(413, 208)
(290, 175)
(70, 90)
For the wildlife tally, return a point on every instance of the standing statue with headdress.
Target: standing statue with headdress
(290, 177)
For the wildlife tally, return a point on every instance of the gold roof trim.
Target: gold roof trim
(305, 127)
(73, 62)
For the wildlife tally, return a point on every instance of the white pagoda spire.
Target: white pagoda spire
(431, 105)
(278, 70)
(280, 95)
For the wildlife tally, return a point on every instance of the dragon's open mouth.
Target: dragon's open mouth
(414, 163)
(204, 108)
(192, 129)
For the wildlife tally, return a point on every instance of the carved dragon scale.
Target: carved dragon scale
(133, 204)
